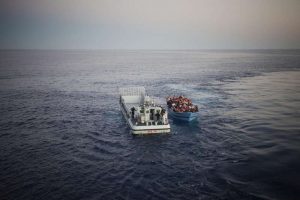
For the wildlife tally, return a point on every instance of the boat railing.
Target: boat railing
(132, 91)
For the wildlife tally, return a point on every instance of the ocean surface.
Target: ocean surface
(62, 135)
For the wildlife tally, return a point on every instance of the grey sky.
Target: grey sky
(150, 24)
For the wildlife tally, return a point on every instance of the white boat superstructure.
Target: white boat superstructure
(141, 113)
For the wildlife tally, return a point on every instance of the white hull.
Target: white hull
(137, 124)
(148, 129)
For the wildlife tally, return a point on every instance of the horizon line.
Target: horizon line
(142, 49)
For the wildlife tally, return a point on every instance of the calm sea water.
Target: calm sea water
(62, 135)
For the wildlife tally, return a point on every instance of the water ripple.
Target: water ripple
(63, 136)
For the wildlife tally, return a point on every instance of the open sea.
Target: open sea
(62, 134)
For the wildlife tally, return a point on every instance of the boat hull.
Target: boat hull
(141, 130)
(183, 116)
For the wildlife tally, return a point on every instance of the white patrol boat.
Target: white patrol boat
(141, 113)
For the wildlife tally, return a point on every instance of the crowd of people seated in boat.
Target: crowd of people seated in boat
(181, 104)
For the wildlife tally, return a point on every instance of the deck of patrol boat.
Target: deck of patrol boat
(149, 118)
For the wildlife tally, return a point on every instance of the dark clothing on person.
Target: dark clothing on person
(157, 115)
(132, 112)
(163, 111)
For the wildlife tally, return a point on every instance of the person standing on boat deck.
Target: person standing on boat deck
(163, 111)
(152, 114)
(157, 115)
(132, 112)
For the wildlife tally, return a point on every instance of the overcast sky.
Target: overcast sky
(150, 24)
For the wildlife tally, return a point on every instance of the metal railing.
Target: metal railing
(132, 91)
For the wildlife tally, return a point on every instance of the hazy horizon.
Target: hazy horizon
(150, 25)
(132, 49)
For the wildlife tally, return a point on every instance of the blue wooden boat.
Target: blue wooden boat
(182, 108)
(183, 116)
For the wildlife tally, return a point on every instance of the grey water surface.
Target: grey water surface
(62, 135)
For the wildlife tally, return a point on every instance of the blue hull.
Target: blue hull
(183, 116)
